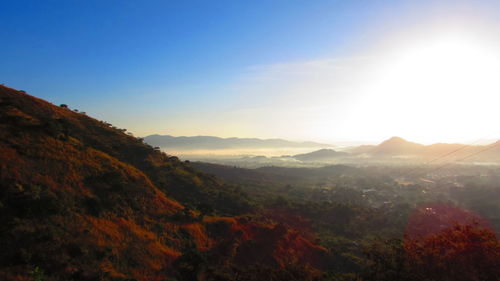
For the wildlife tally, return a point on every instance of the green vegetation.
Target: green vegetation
(83, 200)
(37, 274)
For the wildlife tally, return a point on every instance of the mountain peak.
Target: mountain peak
(395, 140)
(397, 145)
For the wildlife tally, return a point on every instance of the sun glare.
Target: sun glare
(448, 88)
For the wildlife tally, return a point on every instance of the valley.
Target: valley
(83, 200)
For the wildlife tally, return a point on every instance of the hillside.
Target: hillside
(320, 155)
(83, 200)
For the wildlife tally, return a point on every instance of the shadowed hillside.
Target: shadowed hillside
(83, 200)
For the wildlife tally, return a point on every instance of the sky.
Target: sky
(321, 70)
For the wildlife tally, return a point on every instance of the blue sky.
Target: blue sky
(218, 67)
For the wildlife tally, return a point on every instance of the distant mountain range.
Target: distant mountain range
(396, 147)
(209, 142)
(390, 150)
(391, 147)
(394, 150)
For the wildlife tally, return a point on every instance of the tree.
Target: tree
(462, 252)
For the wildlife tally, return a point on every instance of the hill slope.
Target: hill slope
(320, 155)
(82, 200)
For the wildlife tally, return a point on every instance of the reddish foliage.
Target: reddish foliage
(462, 252)
(448, 243)
(253, 242)
(432, 218)
(290, 219)
(85, 201)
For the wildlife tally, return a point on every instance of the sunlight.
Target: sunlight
(444, 86)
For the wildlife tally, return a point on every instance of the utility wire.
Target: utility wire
(470, 155)
(454, 151)
(460, 148)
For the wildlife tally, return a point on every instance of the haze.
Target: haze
(324, 71)
(232, 140)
